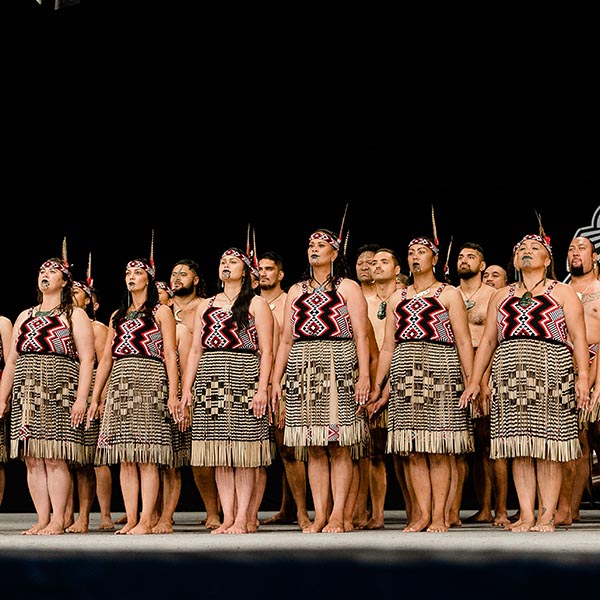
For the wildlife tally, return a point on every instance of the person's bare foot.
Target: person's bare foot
(501, 520)
(78, 527)
(277, 519)
(223, 527)
(106, 524)
(479, 517)
(334, 526)
(163, 526)
(437, 527)
(315, 527)
(544, 527)
(304, 521)
(121, 520)
(52, 529)
(125, 529)
(34, 529)
(140, 529)
(375, 523)
(418, 525)
(563, 518)
(521, 526)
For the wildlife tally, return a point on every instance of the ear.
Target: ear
(482, 266)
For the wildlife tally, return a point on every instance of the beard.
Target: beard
(184, 291)
(467, 274)
(577, 271)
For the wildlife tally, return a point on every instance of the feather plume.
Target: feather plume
(541, 228)
(88, 274)
(151, 257)
(447, 265)
(341, 232)
(64, 253)
(435, 235)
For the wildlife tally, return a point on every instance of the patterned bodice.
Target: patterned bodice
(543, 318)
(320, 314)
(138, 336)
(45, 335)
(220, 331)
(423, 319)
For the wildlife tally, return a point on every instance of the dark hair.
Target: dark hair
(473, 246)
(340, 264)
(274, 256)
(146, 309)
(195, 267)
(367, 248)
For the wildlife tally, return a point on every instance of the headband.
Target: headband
(320, 235)
(52, 264)
(537, 238)
(425, 242)
(84, 287)
(161, 285)
(140, 264)
(241, 256)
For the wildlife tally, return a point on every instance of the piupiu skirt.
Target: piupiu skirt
(533, 401)
(136, 424)
(423, 414)
(225, 433)
(44, 390)
(320, 405)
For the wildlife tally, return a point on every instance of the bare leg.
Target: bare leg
(260, 484)
(104, 493)
(70, 508)
(401, 469)
(59, 488)
(86, 488)
(582, 476)
(350, 506)
(130, 488)
(482, 472)
(37, 482)
(549, 476)
(500, 483)
(149, 486)
(225, 480)
(295, 471)
(523, 469)
(440, 474)
(458, 476)
(341, 480)
(360, 516)
(319, 482)
(171, 490)
(378, 488)
(245, 481)
(204, 477)
(418, 470)
(563, 512)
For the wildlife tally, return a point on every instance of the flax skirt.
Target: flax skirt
(320, 406)
(136, 424)
(423, 414)
(44, 390)
(225, 433)
(533, 402)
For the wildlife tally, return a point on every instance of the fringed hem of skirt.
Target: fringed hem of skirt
(212, 453)
(50, 449)
(348, 435)
(526, 446)
(132, 453)
(589, 416)
(437, 442)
